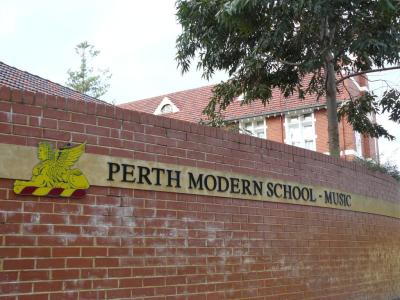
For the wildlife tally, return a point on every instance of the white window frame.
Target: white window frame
(358, 144)
(301, 120)
(165, 101)
(240, 97)
(254, 126)
(358, 86)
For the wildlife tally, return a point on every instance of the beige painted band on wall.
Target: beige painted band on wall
(17, 162)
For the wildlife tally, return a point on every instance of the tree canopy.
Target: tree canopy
(267, 44)
(85, 79)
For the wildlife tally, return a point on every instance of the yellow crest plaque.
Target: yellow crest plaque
(53, 175)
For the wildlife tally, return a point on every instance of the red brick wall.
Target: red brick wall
(321, 130)
(275, 129)
(134, 244)
(346, 137)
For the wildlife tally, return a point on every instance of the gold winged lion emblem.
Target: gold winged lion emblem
(53, 175)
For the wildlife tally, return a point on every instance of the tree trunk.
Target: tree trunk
(333, 132)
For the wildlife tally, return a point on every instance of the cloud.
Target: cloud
(389, 150)
(8, 20)
(137, 43)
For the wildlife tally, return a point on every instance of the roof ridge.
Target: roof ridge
(169, 94)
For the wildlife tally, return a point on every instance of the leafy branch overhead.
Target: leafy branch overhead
(85, 79)
(270, 44)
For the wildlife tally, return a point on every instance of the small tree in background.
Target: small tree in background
(267, 44)
(85, 80)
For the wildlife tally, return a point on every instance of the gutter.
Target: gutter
(281, 112)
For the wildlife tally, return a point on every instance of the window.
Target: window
(166, 106)
(255, 128)
(166, 109)
(300, 131)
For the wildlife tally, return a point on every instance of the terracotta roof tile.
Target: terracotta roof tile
(18, 79)
(192, 102)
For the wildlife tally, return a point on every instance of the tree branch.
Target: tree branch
(366, 72)
(288, 62)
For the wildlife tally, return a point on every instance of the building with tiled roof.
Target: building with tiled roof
(291, 120)
(18, 79)
(295, 121)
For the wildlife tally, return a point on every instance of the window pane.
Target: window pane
(260, 134)
(309, 144)
(167, 108)
(308, 131)
(307, 117)
(294, 133)
(260, 124)
(248, 125)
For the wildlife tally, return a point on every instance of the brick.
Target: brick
(56, 134)
(16, 140)
(5, 128)
(49, 123)
(65, 252)
(47, 286)
(16, 95)
(37, 229)
(67, 208)
(5, 93)
(132, 282)
(97, 130)
(33, 275)
(51, 241)
(52, 219)
(65, 229)
(35, 252)
(15, 288)
(9, 252)
(119, 272)
(80, 241)
(76, 105)
(17, 264)
(15, 119)
(105, 283)
(50, 263)
(109, 123)
(56, 114)
(79, 263)
(83, 119)
(19, 240)
(65, 274)
(106, 262)
(10, 229)
(92, 295)
(27, 131)
(94, 251)
(70, 126)
(8, 276)
(27, 110)
(65, 295)
(119, 294)
(94, 273)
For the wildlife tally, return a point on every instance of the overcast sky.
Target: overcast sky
(136, 40)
